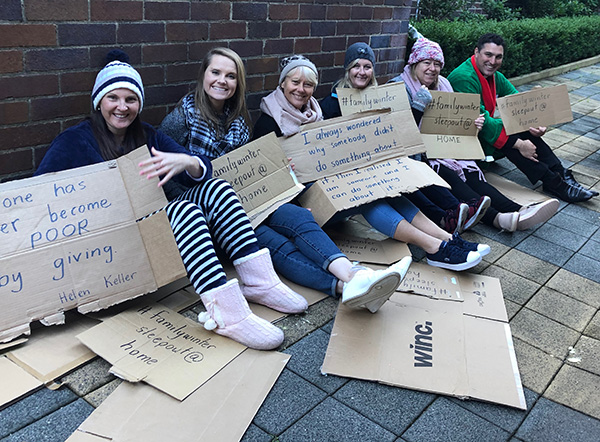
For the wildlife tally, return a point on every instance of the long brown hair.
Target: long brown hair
(236, 105)
(135, 136)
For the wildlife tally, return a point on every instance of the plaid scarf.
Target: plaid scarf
(205, 140)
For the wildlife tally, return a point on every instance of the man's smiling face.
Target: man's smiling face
(489, 59)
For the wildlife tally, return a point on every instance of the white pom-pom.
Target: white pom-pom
(209, 323)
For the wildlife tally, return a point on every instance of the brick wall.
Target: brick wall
(51, 50)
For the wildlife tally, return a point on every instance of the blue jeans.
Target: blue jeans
(384, 214)
(300, 250)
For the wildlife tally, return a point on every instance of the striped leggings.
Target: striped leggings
(210, 211)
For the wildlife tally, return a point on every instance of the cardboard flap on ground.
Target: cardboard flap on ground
(432, 282)
(220, 410)
(520, 194)
(70, 240)
(537, 107)
(430, 345)
(388, 96)
(365, 250)
(448, 128)
(360, 186)
(260, 175)
(152, 342)
(345, 143)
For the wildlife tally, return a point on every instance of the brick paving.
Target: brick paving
(551, 282)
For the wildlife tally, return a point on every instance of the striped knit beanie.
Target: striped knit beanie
(117, 73)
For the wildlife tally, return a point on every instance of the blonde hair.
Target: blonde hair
(306, 72)
(345, 80)
(236, 104)
(413, 68)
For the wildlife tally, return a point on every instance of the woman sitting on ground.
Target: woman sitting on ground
(292, 104)
(208, 212)
(212, 121)
(422, 74)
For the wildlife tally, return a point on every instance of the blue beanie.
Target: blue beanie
(117, 73)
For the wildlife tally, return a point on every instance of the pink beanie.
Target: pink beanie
(425, 49)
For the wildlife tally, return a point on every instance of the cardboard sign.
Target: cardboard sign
(433, 282)
(431, 345)
(520, 194)
(220, 410)
(535, 108)
(345, 143)
(388, 251)
(360, 186)
(448, 128)
(152, 342)
(259, 173)
(70, 240)
(388, 96)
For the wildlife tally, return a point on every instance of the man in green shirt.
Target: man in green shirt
(526, 150)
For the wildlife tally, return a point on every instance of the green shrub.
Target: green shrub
(532, 44)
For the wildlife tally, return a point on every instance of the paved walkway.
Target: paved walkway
(551, 281)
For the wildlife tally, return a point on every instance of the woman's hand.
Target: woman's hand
(422, 98)
(527, 149)
(537, 131)
(479, 121)
(167, 165)
(291, 164)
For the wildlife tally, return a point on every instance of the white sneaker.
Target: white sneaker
(537, 213)
(371, 288)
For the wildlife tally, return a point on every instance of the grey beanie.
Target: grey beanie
(288, 63)
(359, 50)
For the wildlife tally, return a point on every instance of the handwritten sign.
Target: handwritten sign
(345, 143)
(391, 96)
(432, 282)
(260, 175)
(360, 186)
(387, 251)
(159, 346)
(538, 107)
(70, 239)
(448, 127)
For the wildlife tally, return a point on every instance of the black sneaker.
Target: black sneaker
(452, 257)
(569, 193)
(457, 240)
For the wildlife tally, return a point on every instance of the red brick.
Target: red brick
(280, 46)
(62, 106)
(348, 28)
(295, 29)
(107, 10)
(331, 44)
(167, 10)
(312, 12)
(56, 59)
(190, 31)
(164, 53)
(27, 35)
(152, 74)
(199, 50)
(14, 112)
(330, 75)
(11, 61)
(140, 32)
(322, 60)
(398, 41)
(28, 135)
(247, 48)
(307, 45)
(155, 114)
(28, 86)
(382, 13)
(55, 10)
(223, 31)
(182, 72)
(391, 27)
(255, 84)
(283, 12)
(338, 12)
(211, 11)
(249, 11)
(262, 65)
(17, 161)
(361, 13)
(77, 82)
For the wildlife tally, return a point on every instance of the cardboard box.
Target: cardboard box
(345, 143)
(260, 175)
(461, 349)
(535, 108)
(520, 194)
(387, 96)
(342, 191)
(71, 240)
(388, 251)
(448, 127)
(220, 410)
(152, 342)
